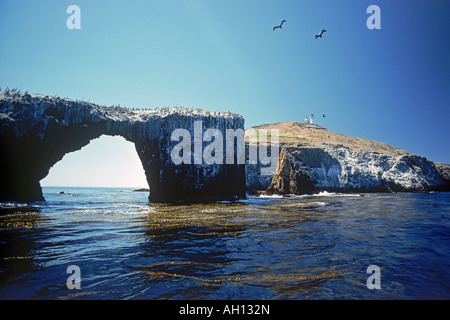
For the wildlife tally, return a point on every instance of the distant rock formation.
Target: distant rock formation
(444, 170)
(36, 131)
(289, 178)
(339, 163)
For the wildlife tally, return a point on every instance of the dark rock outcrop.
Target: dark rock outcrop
(37, 131)
(444, 170)
(290, 178)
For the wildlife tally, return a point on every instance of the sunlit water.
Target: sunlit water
(304, 247)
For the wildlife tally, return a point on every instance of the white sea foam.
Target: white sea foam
(333, 194)
(317, 203)
(276, 196)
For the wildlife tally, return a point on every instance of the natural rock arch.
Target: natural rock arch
(108, 161)
(37, 131)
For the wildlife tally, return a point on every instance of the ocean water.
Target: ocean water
(300, 247)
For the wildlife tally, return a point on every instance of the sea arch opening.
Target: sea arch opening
(106, 161)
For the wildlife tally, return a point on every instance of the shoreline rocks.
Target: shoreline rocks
(289, 178)
(36, 131)
(352, 167)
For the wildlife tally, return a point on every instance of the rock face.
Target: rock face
(339, 163)
(334, 169)
(444, 170)
(37, 131)
(290, 178)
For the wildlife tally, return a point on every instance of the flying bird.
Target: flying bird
(279, 26)
(320, 34)
(324, 115)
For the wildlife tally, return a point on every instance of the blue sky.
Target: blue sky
(390, 85)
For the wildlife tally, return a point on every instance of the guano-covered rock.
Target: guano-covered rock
(340, 163)
(36, 131)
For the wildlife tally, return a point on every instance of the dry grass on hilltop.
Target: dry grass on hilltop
(295, 134)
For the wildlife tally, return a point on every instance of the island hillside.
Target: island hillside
(313, 159)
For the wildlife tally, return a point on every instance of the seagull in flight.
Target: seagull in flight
(324, 115)
(320, 34)
(279, 26)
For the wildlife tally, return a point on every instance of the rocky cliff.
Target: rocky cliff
(444, 170)
(290, 178)
(36, 131)
(336, 162)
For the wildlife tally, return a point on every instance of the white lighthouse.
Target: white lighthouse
(311, 120)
